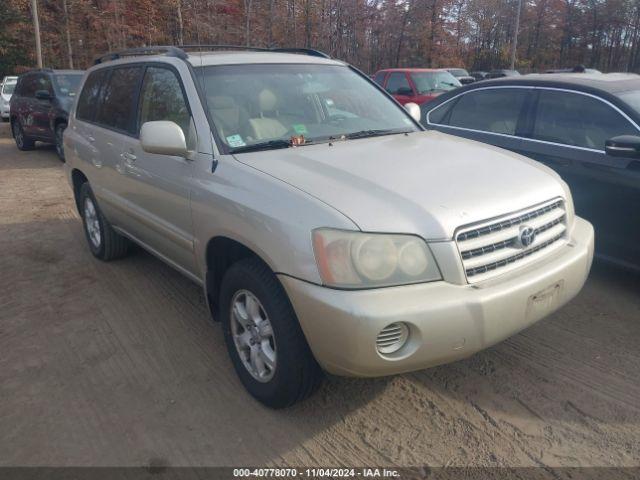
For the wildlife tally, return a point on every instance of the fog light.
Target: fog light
(392, 338)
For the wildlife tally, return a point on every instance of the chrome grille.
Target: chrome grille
(494, 247)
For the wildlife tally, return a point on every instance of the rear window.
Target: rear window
(119, 98)
(631, 98)
(88, 100)
(66, 85)
(492, 110)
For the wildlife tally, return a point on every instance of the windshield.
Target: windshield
(260, 104)
(66, 85)
(8, 88)
(631, 98)
(427, 82)
(459, 72)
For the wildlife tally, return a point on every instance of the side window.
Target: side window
(492, 110)
(118, 108)
(379, 78)
(440, 115)
(162, 99)
(577, 120)
(43, 82)
(397, 83)
(28, 86)
(88, 99)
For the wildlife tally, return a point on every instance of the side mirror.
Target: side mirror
(414, 111)
(404, 91)
(164, 138)
(627, 146)
(43, 95)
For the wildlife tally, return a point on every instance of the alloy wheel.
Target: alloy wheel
(253, 336)
(91, 222)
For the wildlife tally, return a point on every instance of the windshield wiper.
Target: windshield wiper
(270, 145)
(374, 133)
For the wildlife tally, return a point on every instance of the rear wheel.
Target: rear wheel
(104, 242)
(22, 141)
(264, 339)
(59, 140)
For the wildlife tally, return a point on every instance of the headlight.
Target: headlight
(364, 260)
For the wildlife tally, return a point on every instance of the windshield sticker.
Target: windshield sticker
(235, 141)
(300, 129)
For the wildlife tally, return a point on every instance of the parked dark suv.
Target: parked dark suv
(40, 107)
(586, 127)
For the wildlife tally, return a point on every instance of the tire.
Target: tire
(58, 135)
(23, 142)
(104, 242)
(295, 374)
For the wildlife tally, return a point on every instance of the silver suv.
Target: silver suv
(328, 230)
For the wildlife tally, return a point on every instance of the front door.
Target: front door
(156, 187)
(568, 134)
(398, 85)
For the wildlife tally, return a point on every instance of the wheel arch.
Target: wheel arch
(220, 253)
(77, 179)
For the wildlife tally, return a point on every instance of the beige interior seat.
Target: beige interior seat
(229, 117)
(267, 125)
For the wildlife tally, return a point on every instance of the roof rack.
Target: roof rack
(168, 50)
(179, 51)
(303, 51)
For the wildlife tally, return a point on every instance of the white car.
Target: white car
(326, 227)
(6, 90)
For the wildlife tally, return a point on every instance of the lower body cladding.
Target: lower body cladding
(434, 323)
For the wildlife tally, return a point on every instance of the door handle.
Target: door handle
(130, 157)
(91, 139)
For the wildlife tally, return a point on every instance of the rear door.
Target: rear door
(568, 133)
(42, 107)
(115, 121)
(156, 187)
(494, 115)
(23, 105)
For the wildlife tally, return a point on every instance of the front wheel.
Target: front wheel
(267, 347)
(59, 140)
(104, 242)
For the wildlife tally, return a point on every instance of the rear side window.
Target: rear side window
(578, 120)
(88, 100)
(162, 98)
(119, 99)
(493, 110)
(28, 86)
(397, 83)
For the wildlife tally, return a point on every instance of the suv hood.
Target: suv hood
(425, 183)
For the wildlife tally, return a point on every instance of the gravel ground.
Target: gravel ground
(118, 364)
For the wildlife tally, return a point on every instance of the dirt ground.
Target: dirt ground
(119, 364)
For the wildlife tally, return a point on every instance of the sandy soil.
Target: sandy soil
(118, 364)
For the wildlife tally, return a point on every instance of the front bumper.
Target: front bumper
(447, 322)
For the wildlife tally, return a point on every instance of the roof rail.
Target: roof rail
(305, 51)
(179, 51)
(168, 50)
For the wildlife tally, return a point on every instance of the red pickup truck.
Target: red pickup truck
(417, 85)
